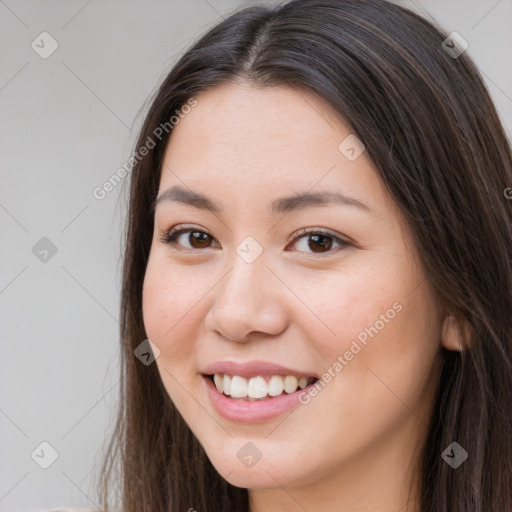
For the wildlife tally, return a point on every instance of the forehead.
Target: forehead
(252, 127)
(246, 117)
(246, 143)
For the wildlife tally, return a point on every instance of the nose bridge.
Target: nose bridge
(246, 298)
(244, 285)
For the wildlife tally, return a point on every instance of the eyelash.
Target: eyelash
(173, 233)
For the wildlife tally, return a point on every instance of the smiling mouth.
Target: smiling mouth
(258, 388)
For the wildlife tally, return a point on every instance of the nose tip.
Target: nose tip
(248, 300)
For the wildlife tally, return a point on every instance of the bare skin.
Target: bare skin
(354, 445)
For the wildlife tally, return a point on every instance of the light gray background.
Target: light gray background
(68, 123)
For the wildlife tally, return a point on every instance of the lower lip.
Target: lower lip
(247, 412)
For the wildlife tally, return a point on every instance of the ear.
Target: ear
(457, 333)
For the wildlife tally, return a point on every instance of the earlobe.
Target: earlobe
(457, 333)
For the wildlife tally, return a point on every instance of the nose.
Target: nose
(248, 299)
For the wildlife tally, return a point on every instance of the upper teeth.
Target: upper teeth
(257, 387)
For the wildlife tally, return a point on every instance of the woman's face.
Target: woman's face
(351, 306)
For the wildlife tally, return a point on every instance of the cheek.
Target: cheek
(387, 338)
(339, 307)
(170, 311)
(171, 314)
(374, 320)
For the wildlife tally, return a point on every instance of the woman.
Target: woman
(318, 247)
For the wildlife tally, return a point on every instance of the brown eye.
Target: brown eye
(197, 239)
(323, 242)
(318, 241)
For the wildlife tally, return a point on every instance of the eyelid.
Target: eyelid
(180, 229)
(313, 230)
(175, 231)
(340, 239)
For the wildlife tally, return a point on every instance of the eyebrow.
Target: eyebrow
(281, 205)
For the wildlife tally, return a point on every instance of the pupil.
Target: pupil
(197, 237)
(316, 238)
(324, 241)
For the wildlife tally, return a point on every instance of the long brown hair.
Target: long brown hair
(435, 138)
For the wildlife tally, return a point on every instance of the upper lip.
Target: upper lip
(253, 369)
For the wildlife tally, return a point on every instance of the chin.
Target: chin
(275, 471)
(256, 477)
